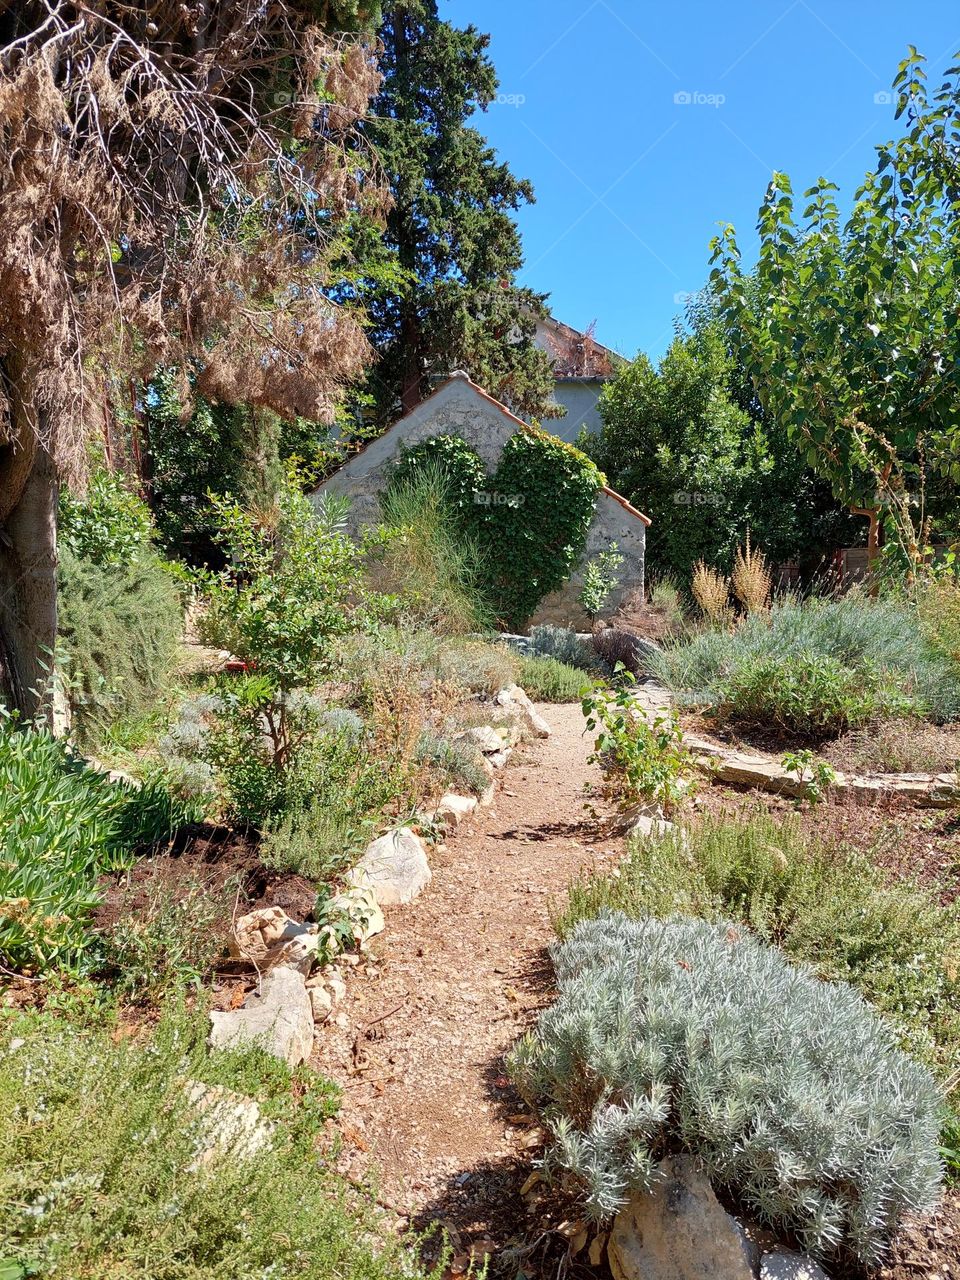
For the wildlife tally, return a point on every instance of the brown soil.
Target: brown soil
(458, 975)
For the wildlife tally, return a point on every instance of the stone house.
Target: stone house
(461, 408)
(581, 366)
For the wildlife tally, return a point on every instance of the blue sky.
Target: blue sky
(631, 184)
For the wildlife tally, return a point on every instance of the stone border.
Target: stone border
(765, 773)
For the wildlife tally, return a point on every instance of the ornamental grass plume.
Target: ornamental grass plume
(752, 580)
(711, 590)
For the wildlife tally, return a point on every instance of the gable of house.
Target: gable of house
(461, 408)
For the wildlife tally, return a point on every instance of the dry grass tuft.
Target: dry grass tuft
(711, 590)
(752, 580)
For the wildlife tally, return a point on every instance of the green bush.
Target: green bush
(474, 666)
(880, 641)
(109, 524)
(119, 628)
(805, 693)
(547, 680)
(456, 765)
(825, 906)
(103, 1172)
(62, 825)
(687, 1035)
(644, 763)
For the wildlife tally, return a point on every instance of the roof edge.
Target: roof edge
(627, 506)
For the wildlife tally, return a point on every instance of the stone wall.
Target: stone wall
(460, 408)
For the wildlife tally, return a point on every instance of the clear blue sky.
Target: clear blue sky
(631, 185)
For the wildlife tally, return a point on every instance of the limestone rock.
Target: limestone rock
(359, 904)
(326, 989)
(677, 1232)
(279, 1019)
(647, 825)
(499, 758)
(452, 808)
(784, 1264)
(268, 937)
(487, 797)
(515, 699)
(394, 867)
(483, 736)
(230, 1124)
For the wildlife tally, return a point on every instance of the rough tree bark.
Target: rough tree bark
(28, 553)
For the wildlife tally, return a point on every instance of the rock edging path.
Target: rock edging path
(457, 975)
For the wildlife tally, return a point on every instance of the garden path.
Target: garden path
(452, 982)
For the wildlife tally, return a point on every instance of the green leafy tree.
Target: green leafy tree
(455, 303)
(674, 442)
(850, 330)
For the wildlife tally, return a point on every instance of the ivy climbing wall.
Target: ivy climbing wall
(541, 505)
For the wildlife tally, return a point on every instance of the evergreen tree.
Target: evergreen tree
(451, 229)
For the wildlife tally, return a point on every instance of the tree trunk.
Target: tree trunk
(28, 555)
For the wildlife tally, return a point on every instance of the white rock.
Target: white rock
(483, 736)
(499, 758)
(279, 1019)
(452, 809)
(647, 825)
(784, 1264)
(268, 937)
(515, 699)
(677, 1232)
(394, 867)
(486, 799)
(230, 1124)
(359, 904)
(321, 1003)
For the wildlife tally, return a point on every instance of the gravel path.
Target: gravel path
(453, 981)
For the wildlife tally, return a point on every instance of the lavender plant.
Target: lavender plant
(688, 1035)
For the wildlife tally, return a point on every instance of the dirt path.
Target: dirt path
(456, 977)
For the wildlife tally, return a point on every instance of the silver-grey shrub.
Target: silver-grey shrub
(864, 634)
(687, 1035)
(547, 641)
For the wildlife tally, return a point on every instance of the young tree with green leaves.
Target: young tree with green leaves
(455, 303)
(851, 334)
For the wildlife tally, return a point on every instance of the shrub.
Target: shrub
(938, 604)
(882, 639)
(897, 746)
(686, 1035)
(171, 939)
(104, 1172)
(547, 680)
(61, 826)
(600, 580)
(119, 629)
(473, 666)
(291, 587)
(431, 562)
(805, 693)
(711, 590)
(547, 641)
(824, 905)
(457, 765)
(107, 525)
(644, 762)
(665, 596)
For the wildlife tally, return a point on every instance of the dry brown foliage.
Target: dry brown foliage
(752, 579)
(711, 590)
(173, 178)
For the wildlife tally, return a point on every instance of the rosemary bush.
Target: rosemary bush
(684, 1034)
